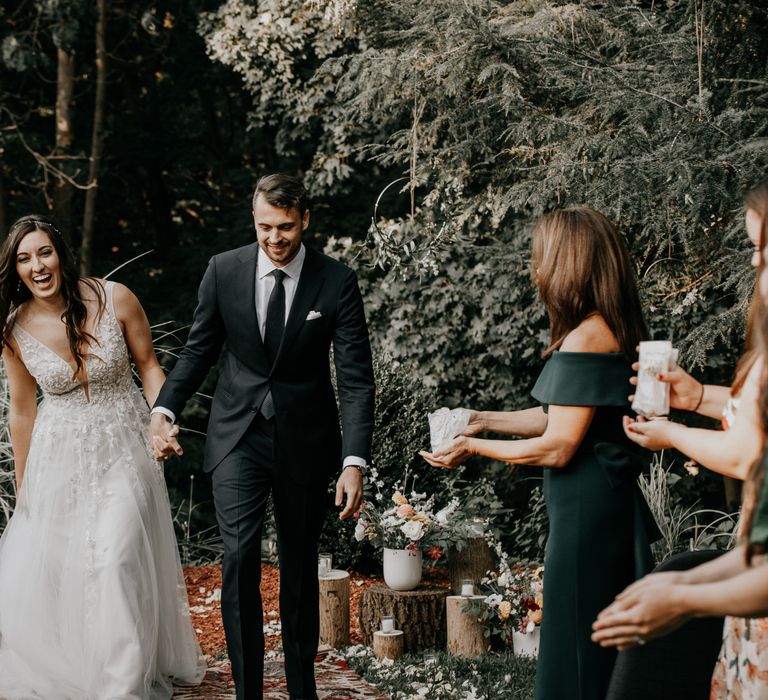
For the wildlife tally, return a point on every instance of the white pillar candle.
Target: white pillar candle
(467, 587)
(387, 624)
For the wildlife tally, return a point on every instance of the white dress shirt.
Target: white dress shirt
(265, 282)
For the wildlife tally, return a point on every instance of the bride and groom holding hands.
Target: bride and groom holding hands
(92, 601)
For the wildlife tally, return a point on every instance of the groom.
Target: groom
(274, 423)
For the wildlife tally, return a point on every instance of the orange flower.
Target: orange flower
(405, 510)
(399, 499)
(505, 608)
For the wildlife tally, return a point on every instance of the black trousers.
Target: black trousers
(242, 483)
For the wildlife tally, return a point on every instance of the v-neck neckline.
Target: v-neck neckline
(51, 351)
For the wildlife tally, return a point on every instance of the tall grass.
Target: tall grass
(7, 475)
(682, 527)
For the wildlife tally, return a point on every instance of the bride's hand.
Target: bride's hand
(451, 456)
(163, 437)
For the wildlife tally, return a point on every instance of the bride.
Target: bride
(92, 600)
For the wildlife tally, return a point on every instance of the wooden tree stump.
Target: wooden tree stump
(420, 614)
(388, 645)
(334, 609)
(466, 635)
(473, 562)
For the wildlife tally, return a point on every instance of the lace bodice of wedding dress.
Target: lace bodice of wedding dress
(92, 600)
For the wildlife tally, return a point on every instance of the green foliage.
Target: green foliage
(527, 535)
(494, 676)
(682, 526)
(515, 108)
(401, 430)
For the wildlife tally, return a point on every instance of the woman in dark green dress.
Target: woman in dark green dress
(599, 522)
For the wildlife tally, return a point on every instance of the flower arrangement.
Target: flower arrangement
(513, 597)
(406, 524)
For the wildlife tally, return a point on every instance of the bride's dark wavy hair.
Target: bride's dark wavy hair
(13, 291)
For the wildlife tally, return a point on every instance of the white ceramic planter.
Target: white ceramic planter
(402, 569)
(526, 644)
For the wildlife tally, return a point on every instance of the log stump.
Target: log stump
(334, 609)
(388, 645)
(420, 614)
(474, 560)
(466, 635)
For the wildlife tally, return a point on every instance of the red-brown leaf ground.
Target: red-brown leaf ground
(204, 581)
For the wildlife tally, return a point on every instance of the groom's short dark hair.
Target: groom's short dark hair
(281, 190)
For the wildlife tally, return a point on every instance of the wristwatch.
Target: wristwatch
(363, 470)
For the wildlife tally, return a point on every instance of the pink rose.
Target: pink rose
(405, 510)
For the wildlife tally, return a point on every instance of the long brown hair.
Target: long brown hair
(752, 345)
(13, 292)
(581, 267)
(757, 201)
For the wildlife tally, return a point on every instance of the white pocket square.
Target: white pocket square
(312, 315)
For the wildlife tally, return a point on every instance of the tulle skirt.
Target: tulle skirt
(92, 599)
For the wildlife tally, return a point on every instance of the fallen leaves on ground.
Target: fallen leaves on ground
(204, 590)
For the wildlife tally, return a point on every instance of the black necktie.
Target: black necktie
(273, 332)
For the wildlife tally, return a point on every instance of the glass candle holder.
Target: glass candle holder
(387, 624)
(324, 564)
(430, 658)
(467, 587)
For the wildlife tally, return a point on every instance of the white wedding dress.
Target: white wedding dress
(92, 600)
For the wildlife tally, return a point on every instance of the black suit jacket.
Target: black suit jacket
(307, 426)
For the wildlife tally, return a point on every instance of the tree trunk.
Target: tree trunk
(63, 190)
(472, 562)
(466, 636)
(388, 646)
(86, 248)
(334, 609)
(420, 614)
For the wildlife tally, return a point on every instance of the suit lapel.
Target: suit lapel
(310, 283)
(245, 289)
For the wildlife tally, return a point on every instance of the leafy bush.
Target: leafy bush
(401, 430)
(527, 536)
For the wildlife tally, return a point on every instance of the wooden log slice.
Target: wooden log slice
(420, 614)
(334, 609)
(474, 560)
(388, 645)
(466, 635)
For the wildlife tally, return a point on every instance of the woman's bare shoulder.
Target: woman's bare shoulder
(593, 334)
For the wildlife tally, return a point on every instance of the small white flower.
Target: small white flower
(413, 530)
(360, 530)
(503, 580)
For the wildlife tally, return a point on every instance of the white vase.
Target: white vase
(402, 569)
(526, 644)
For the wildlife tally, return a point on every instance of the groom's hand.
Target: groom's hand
(163, 437)
(350, 484)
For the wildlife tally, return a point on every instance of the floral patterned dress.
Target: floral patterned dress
(741, 672)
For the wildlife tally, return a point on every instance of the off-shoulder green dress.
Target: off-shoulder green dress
(600, 527)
